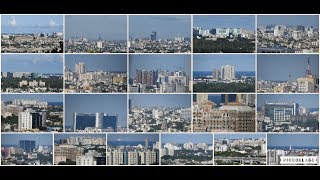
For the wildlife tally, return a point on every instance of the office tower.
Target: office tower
(226, 98)
(146, 143)
(101, 121)
(31, 120)
(80, 68)
(138, 76)
(153, 36)
(27, 145)
(280, 113)
(228, 72)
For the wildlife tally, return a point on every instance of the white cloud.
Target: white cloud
(52, 23)
(12, 21)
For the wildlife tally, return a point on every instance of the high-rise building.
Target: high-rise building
(202, 98)
(138, 77)
(280, 113)
(28, 120)
(27, 145)
(153, 36)
(228, 72)
(215, 74)
(227, 98)
(97, 120)
(80, 68)
(146, 143)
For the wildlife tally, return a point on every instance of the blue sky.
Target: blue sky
(40, 63)
(167, 100)
(66, 136)
(91, 26)
(31, 24)
(304, 100)
(133, 137)
(224, 21)
(238, 136)
(210, 62)
(92, 103)
(104, 62)
(293, 140)
(40, 97)
(13, 139)
(184, 138)
(278, 67)
(167, 27)
(163, 62)
(293, 20)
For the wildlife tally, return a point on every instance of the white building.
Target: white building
(85, 160)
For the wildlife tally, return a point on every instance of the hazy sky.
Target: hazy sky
(184, 138)
(293, 20)
(278, 67)
(167, 100)
(293, 140)
(167, 27)
(40, 63)
(67, 136)
(210, 62)
(133, 137)
(104, 62)
(13, 139)
(163, 62)
(224, 21)
(304, 100)
(91, 26)
(93, 103)
(31, 24)
(40, 97)
(239, 136)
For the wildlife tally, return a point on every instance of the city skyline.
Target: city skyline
(305, 140)
(163, 62)
(67, 136)
(132, 137)
(179, 26)
(297, 66)
(304, 100)
(113, 63)
(292, 20)
(96, 26)
(208, 62)
(239, 136)
(93, 103)
(39, 97)
(38, 63)
(26, 24)
(166, 100)
(185, 138)
(246, 22)
(13, 139)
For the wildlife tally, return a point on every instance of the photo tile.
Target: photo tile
(133, 149)
(293, 149)
(96, 33)
(224, 34)
(159, 113)
(240, 149)
(31, 113)
(288, 113)
(224, 113)
(159, 34)
(154, 73)
(32, 33)
(288, 73)
(288, 33)
(88, 113)
(224, 73)
(26, 149)
(186, 149)
(80, 149)
(31, 73)
(95, 73)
